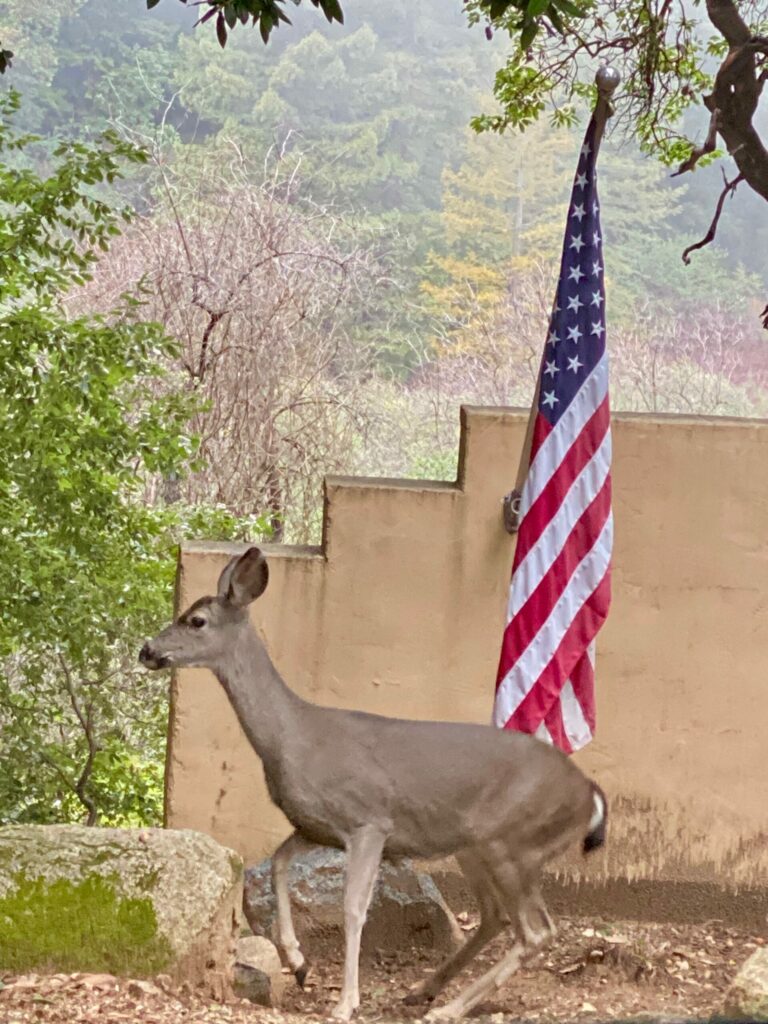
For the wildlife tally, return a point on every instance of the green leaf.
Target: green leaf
(536, 8)
(557, 21)
(569, 8)
(221, 30)
(528, 35)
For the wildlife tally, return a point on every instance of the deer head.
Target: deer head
(208, 630)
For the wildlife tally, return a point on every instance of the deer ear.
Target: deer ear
(244, 578)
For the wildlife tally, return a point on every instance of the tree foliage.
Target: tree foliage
(86, 564)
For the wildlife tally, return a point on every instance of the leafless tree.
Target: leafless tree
(262, 288)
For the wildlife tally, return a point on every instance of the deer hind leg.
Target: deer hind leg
(515, 885)
(287, 943)
(492, 920)
(363, 858)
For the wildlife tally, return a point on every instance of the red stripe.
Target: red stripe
(556, 727)
(524, 626)
(542, 428)
(551, 498)
(582, 630)
(583, 681)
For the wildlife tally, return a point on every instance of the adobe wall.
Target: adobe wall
(401, 613)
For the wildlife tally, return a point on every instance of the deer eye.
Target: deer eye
(197, 621)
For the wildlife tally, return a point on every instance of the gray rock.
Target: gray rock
(258, 972)
(407, 909)
(123, 901)
(747, 998)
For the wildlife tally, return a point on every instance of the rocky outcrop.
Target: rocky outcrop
(747, 997)
(121, 901)
(407, 909)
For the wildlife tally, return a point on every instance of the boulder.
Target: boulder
(258, 972)
(119, 901)
(747, 998)
(407, 909)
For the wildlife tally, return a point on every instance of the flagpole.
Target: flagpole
(606, 80)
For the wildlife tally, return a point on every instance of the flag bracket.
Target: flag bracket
(607, 80)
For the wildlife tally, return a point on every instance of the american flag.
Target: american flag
(561, 590)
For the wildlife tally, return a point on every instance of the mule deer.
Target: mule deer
(504, 803)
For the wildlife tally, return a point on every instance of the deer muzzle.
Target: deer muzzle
(150, 659)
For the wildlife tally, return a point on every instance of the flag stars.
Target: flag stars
(575, 304)
(586, 149)
(574, 364)
(596, 268)
(578, 212)
(597, 329)
(596, 238)
(553, 338)
(574, 334)
(551, 368)
(597, 299)
(595, 208)
(577, 243)
(575, 274)
(549, 399)
(581, 180)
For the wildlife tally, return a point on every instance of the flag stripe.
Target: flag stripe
(550, 681)
(555, 445)
(556, 635)
(559, 514)
(524, 628)
(577, 728)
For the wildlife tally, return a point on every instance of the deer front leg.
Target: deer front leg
(287, 943)
(363, 858)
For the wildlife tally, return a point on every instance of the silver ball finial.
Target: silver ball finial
(607, 80)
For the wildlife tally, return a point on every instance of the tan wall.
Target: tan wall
(402, 614)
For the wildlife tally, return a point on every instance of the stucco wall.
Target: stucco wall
(401, 613)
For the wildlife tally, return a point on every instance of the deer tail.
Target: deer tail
(595, 837)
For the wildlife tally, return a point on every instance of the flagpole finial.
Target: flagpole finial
(607, 80)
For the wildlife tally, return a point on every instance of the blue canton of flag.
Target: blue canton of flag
(576, 340)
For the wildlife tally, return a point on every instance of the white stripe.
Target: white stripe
(575, 724)
(521, 677)
(554, 447)
(543, 734)
(538, 560)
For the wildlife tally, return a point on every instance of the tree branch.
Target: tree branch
(86, 723)
(729, 189)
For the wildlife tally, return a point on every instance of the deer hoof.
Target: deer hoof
(343, 1009)
(300, 974)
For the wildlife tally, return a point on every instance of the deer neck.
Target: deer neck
(265, 706)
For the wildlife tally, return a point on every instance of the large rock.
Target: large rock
(120, 901)
(747, 997)
(258, 971)
(406, 910)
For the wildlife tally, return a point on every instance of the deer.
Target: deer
(503, 803)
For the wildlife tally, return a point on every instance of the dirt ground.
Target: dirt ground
(621, 971)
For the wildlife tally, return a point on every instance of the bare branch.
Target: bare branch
(729, 189)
